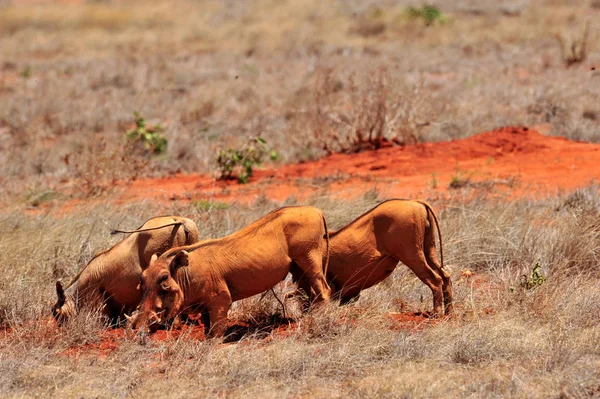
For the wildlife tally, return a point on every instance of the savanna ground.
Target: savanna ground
(314, 78)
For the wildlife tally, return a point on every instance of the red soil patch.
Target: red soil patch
(109, 342)
(190, 331)
(283, 331)
(111, 339)
(514, 161)
(533, 164)
(412, 321)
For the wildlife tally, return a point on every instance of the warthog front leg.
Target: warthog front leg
(217, 312)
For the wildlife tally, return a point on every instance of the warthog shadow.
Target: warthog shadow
(257, 328)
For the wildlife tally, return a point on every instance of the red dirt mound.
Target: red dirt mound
(518, 161)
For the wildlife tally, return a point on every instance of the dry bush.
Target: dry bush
(365, 111)
(574, 50)
(368, 23)
(568, 114)
(99, 166)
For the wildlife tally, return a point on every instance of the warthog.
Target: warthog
(111, 277)
(367, 250)
(208, 276)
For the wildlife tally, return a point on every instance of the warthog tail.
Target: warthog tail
(326, 236)
(116, 231)
(431, 212)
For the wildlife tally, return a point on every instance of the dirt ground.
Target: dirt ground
(509, 162)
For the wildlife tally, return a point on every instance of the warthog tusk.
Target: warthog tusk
(131, 320)
(155, 318)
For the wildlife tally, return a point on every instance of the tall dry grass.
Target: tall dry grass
(505, 339)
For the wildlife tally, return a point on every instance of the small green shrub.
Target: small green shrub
(27, 72)
(535, 278)
(460, 179)
(35, 198)
(240, 163)
(151, 137)
(427, 13)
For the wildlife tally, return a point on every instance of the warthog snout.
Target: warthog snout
(150, 319)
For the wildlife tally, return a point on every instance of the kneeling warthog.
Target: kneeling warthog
(111, 277)
(367, 251)
(208, 276)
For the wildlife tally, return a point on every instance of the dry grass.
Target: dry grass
(505, 340)
(215, 74)
(71, 78)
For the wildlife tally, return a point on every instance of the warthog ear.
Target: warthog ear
(61, 294)
(181, 259)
